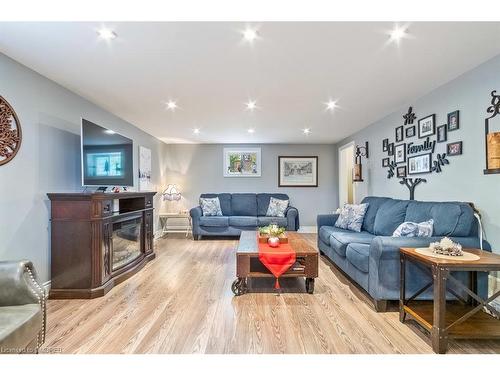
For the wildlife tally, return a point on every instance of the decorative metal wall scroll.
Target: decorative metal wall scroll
(10, 132)
(492, 138)
(416, 157)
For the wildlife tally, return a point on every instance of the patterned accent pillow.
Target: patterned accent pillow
(411, 229)
(277, 207)
(210, 206)
(351, 216)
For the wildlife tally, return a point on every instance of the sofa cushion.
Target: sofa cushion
(19, 325)
(243, 221)
(210, 206)
(263, 201)
(450, 218)
(224, 199)
(374, 204)
(354, 237)
(263, 221)
(340, 238)
(244, 204)
(277, 207)
(411, 229)
(389, 216)
(214, 221)
(351, 216)
(358, 255)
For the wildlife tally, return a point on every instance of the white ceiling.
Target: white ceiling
(211, 72)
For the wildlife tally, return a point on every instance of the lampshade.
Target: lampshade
(171, 193)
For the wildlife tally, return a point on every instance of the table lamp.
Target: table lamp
(171, 193)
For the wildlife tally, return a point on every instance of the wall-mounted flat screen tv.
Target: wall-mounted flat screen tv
(106, 157)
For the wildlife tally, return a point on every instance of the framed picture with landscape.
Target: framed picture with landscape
(242, 162)
(297, 171)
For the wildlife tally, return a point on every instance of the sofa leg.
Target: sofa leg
(196, 237)
(380, 305)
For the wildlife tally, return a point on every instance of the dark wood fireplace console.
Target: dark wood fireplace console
(98, 240)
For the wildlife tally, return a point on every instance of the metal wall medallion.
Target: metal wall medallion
(10, 132)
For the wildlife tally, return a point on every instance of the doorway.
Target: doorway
(346, 165)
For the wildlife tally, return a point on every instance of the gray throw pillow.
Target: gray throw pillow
(351, 216)
(277, 207)
(411, 229)
(210, 206)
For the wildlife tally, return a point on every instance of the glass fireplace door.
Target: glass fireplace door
(127, 234)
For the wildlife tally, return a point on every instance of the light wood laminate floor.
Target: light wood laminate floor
(182, 303)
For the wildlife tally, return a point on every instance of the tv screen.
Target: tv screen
(106, 157)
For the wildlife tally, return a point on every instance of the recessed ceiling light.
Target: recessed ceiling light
(306, 131)
(250, 35)
(251, 130)
(109, 131)
(171, 105)
(106, 34)
(398, 33)
(331, 105)
(196, 131)
(251, 105)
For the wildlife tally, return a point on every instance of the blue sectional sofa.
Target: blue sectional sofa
(241, 211)
(371, 257)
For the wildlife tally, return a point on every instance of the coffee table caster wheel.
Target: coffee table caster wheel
(310, 285)
(239, 286)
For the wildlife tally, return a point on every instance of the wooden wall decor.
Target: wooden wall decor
(492, 139)
(10, 132)
(418, 154)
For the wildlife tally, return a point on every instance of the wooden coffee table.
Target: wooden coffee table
(452, 320)
(249, 265)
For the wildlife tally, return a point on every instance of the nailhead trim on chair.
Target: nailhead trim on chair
(42, 302)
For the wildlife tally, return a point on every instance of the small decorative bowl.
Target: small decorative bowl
(273, 241)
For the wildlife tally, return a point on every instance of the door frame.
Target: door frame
(352, 145)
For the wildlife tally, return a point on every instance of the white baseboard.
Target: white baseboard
(308, 229)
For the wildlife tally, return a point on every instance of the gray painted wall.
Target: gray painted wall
(463, 178)
(49, 159)
(198, 169)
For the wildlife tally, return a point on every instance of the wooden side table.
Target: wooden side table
(164, 217)
(445, 321)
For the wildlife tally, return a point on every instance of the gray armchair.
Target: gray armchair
(22, 308)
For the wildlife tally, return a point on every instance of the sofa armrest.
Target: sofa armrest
(326, 220)
(19, 284)
(292, 216)
(196, 213)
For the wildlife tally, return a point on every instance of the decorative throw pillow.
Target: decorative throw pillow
(411, 229)
(351, 216)
(277, 207)
(210, 206)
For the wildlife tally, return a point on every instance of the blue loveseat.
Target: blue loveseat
(241, 211)
(371, 257)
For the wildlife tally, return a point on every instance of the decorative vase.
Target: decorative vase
(273, 241)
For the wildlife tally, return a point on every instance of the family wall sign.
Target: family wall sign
(413, 153)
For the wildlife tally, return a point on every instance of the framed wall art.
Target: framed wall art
(385, 162)
(385, 144)
(442, 133)
(453, 121)
(242, 162)
(427, 126)
(400, 153)
(399, 134)
(401, 171)
(410, 132)
(454, 148)
(297, 171)
(420, 164)
(144, 169)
